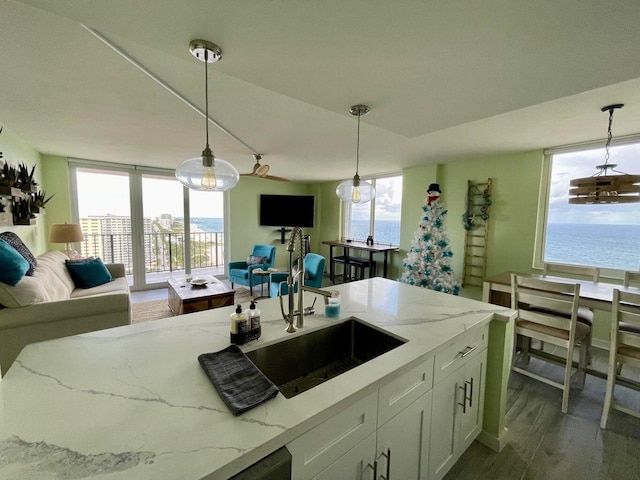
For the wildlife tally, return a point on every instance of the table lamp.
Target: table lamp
(67, 233)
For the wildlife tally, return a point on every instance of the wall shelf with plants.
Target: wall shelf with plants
(18, 186)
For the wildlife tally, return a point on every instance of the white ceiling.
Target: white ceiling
(444, 79)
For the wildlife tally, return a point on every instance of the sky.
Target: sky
(109, 194)
(567, 166)
(388, 201)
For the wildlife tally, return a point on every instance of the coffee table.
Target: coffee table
(187, 298)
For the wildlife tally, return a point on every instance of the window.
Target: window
(383, 220)
(603, 235)
(136, 216)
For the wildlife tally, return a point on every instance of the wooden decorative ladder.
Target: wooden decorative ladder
(476, 224)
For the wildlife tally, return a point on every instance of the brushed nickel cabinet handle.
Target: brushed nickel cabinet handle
(467, 351)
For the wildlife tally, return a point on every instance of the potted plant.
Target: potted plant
(40, 200)
(8, 178)
(25, 178)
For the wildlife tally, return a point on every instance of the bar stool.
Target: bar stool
(553, 319)
(624, 349)
(585, 315)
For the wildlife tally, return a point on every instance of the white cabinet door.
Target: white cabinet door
(471, 419)
(456, 416)
(442, 454)
(356, 464)
(403, 442)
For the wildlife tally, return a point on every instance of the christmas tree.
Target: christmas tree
(428, 262)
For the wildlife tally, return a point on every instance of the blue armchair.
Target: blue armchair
(314, 272)
(240, 271)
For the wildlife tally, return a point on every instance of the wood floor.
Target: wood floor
(545, 444)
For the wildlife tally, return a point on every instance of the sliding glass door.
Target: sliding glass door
(147, 220)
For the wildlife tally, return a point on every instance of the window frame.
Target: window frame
(545, 193)
(347, 206)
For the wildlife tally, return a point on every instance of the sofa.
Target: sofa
(47, 305)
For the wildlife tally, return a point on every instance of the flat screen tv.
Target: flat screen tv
(287, 210)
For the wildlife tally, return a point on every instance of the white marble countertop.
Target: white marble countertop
(133, 403)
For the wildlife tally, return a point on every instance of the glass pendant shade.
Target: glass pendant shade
(197, 175)
(355, 191)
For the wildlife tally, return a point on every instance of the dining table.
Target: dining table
(371, 249)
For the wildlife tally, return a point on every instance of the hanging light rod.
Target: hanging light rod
(207, 172)
(356, 190)
(603, 187)
(161, 82)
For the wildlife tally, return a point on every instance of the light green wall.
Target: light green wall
(244, 205)
(15, 151)
(56, 174)
(328, 225)
(512, 225)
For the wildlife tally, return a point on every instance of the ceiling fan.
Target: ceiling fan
(261, 171)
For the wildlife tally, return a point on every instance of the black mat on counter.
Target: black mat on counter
(239, 382)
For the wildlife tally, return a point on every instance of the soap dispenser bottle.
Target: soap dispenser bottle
(253, 316)
(239, 326)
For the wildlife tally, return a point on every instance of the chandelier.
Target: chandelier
(607, 185)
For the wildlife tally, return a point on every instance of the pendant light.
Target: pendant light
(356, 191)
(207, 172)
(602, 187)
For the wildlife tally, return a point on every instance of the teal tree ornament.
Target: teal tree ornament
(428, 261)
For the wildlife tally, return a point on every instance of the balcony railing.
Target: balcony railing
(163, 251)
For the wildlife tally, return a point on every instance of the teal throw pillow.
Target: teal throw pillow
(13, 266)
(88, 273)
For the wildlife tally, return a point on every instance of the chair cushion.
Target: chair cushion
(628, 351)
(15, 241)
(239, 273)
(585, 315)
(629, 327)
(14, 265)
(89, 273)
(256, 260)
(582, 330)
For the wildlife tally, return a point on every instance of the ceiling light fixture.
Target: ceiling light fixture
(356, 191)
(602, 187)
(207, 172)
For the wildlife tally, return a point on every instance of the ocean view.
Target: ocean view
(605, 246)
(204, 224)
(386, 231)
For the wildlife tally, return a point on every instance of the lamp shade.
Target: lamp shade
(66, 233)
(196, 174)
(355, 191)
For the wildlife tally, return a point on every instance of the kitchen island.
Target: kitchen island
(133, 403)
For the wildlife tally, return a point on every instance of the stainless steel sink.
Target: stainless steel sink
(303, 362)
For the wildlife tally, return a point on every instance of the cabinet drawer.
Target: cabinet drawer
(458, 352)
(316, 449)
(399, 393)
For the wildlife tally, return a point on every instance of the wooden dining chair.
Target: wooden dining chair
(593, 273)
(585, 315)
(551, 318)
(631, 276)
(624, 350)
